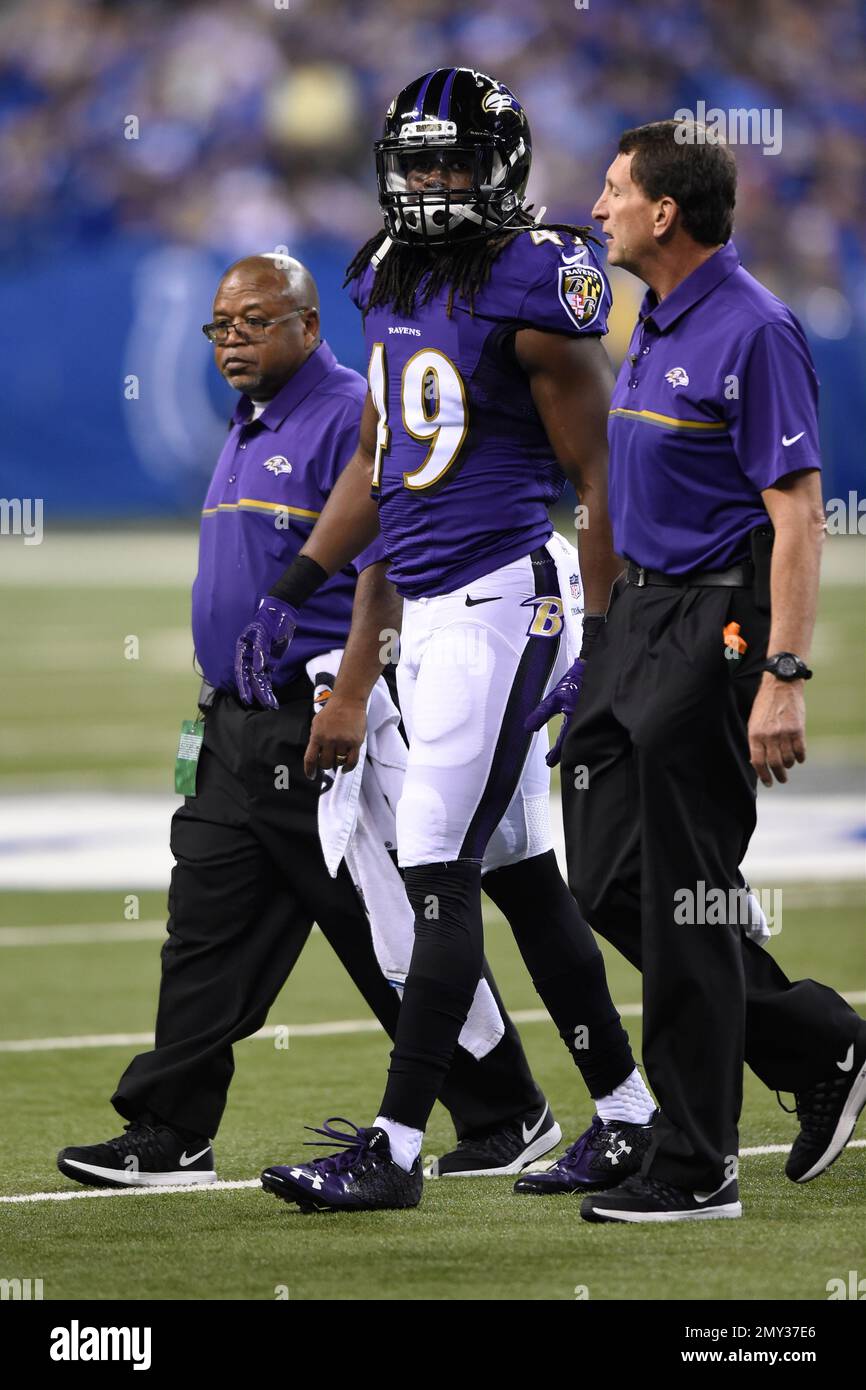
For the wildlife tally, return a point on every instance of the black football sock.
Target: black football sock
(443, 976)
(567, 968)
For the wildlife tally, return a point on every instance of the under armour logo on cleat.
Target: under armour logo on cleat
(615, 1154)
(314, 1178)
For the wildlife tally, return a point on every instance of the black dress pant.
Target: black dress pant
(658, 800)
(249, 882)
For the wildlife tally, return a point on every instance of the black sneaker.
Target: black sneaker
(145, 1155)
(648, 1199)
(361, 1177)
(605, 1154)
(828, 1113)
(506, 1150)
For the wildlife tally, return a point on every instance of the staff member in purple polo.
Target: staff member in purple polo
(695, 683)
(250, 878)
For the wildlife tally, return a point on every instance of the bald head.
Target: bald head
(285, 275)
(259, 355)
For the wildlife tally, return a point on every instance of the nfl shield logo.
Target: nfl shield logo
(574, 585)
(581, 290)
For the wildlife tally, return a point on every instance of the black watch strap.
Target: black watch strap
(787, 666)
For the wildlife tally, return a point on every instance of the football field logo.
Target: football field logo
(581, 290)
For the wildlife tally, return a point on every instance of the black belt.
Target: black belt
(740, 576)
(298, 689)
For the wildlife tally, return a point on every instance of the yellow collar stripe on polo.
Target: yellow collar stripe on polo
(669, 422)
(251, 504)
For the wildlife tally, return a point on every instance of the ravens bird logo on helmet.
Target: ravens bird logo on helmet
(454, 158)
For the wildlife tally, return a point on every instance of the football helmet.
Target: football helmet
(454, 158)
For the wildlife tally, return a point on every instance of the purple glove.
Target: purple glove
(260, 646)
(561, 700)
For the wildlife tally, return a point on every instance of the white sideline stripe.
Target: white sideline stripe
(82, 934)
(167, 1191)
(337, 1028)
(133, 1191)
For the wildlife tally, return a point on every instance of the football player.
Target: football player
(488, 386)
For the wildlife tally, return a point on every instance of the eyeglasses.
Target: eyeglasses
(251, 329)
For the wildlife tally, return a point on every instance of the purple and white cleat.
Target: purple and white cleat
(362, 1176)
(604, 1155)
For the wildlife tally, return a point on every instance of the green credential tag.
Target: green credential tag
(188, 750)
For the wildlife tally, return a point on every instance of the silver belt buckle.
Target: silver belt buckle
(641, 577)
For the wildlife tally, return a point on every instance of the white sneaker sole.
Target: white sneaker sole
(729, 1212)
(184, 1176)
(844, 1129)
(550, 1139)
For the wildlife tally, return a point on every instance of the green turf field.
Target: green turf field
(469, 1240)
(79, 711)
(78, 714)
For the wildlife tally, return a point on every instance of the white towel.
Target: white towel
(357, 822)
(567, 563)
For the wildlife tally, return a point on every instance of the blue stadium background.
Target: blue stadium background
(254, 127)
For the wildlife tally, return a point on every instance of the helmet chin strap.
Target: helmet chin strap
(378, 257)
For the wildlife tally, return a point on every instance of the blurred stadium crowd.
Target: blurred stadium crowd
(145, 144)
(255, 120)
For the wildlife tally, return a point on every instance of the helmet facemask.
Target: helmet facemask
(469, 198)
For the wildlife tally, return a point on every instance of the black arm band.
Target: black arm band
(592, 627)
(300, 581)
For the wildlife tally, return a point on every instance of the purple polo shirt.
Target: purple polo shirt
(716, 400)
(271, 482)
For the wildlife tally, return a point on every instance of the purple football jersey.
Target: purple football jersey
(464, 470)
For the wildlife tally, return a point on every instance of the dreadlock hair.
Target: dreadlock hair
(464, 267)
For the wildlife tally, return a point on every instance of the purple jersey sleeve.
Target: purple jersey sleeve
(375, 552)
(773, 412)
(359, 288)
(569, 292)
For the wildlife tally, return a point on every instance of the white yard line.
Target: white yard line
(82, 934)
(169, 1191)
(129, 1191)
(334, 1029)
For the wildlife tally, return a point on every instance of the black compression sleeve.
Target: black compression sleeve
(300, 581)
(593, 624)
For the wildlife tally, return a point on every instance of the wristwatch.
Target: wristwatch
(785, 666)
